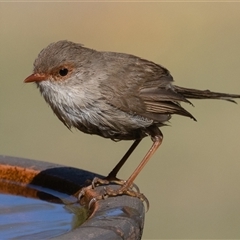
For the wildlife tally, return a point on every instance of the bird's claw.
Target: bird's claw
(89, 195)
(109, 192)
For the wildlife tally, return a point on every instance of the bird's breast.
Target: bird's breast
(91, 113)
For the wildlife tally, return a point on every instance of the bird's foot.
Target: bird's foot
(89, 195)
(124, 190)
(108, 180)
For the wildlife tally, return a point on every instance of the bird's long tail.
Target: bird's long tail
(205, 94)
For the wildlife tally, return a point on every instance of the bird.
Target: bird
(114, 95)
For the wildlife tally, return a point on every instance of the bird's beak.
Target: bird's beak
(35, 77)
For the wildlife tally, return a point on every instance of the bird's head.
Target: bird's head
(57, 63)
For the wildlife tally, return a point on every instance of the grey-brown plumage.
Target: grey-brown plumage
(114, 95)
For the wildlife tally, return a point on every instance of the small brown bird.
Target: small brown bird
(113, 95)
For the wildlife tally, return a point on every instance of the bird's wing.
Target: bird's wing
(140, 87)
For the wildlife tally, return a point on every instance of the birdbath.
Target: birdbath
(39, 201)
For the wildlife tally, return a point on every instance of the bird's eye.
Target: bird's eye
(63, 72)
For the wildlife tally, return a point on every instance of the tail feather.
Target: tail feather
(205, 94)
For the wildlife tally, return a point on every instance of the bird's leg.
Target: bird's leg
(90, 195)
(112, 176)
(157, 141)
(126, 188)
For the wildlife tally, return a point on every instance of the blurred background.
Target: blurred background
(193, 181)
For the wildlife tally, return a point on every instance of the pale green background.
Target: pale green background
(193, 181)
